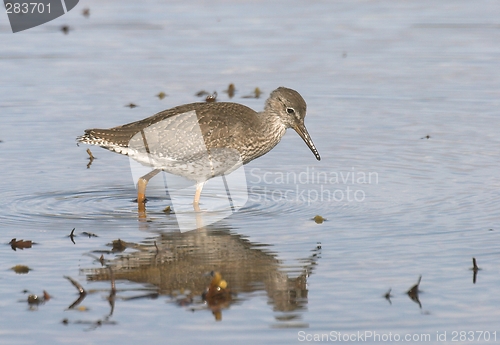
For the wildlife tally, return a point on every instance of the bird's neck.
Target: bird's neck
(271, 129)
(271, 123)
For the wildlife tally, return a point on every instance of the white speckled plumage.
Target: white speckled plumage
(203, 140)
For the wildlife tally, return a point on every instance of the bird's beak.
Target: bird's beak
(301, 130)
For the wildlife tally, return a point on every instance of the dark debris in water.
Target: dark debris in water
(131, 105)
(65, 29)
(474, 265)
(76, 284)
(211, 98)
(217, 295)
(118, 246)
(474, 269)
(93, 324)
(20, 244)
(111, 298)
(388, 296)
(81, 290)
(86, 12)
(72, 235)
(426, 137)
(35, 300)
(414, 291)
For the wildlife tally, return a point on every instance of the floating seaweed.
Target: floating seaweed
(256, 94)
(20, 244)
(230, 90)
(161, 95)
(21, 269)
(318, 219)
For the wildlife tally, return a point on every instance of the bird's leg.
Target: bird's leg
(196, 201)
(141, 189)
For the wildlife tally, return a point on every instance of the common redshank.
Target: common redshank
(202, 140)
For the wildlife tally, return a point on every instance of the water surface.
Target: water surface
(378, 77)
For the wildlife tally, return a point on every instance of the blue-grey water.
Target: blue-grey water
(403, 106)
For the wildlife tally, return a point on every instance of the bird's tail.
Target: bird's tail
(110, 139)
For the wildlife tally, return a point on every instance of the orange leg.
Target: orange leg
(196, 201)
(141, 189)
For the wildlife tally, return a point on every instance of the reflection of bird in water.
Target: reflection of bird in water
(202, 140)
(176, 262)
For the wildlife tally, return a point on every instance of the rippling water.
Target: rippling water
(403, 103)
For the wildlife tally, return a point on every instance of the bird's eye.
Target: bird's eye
(290, 110)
